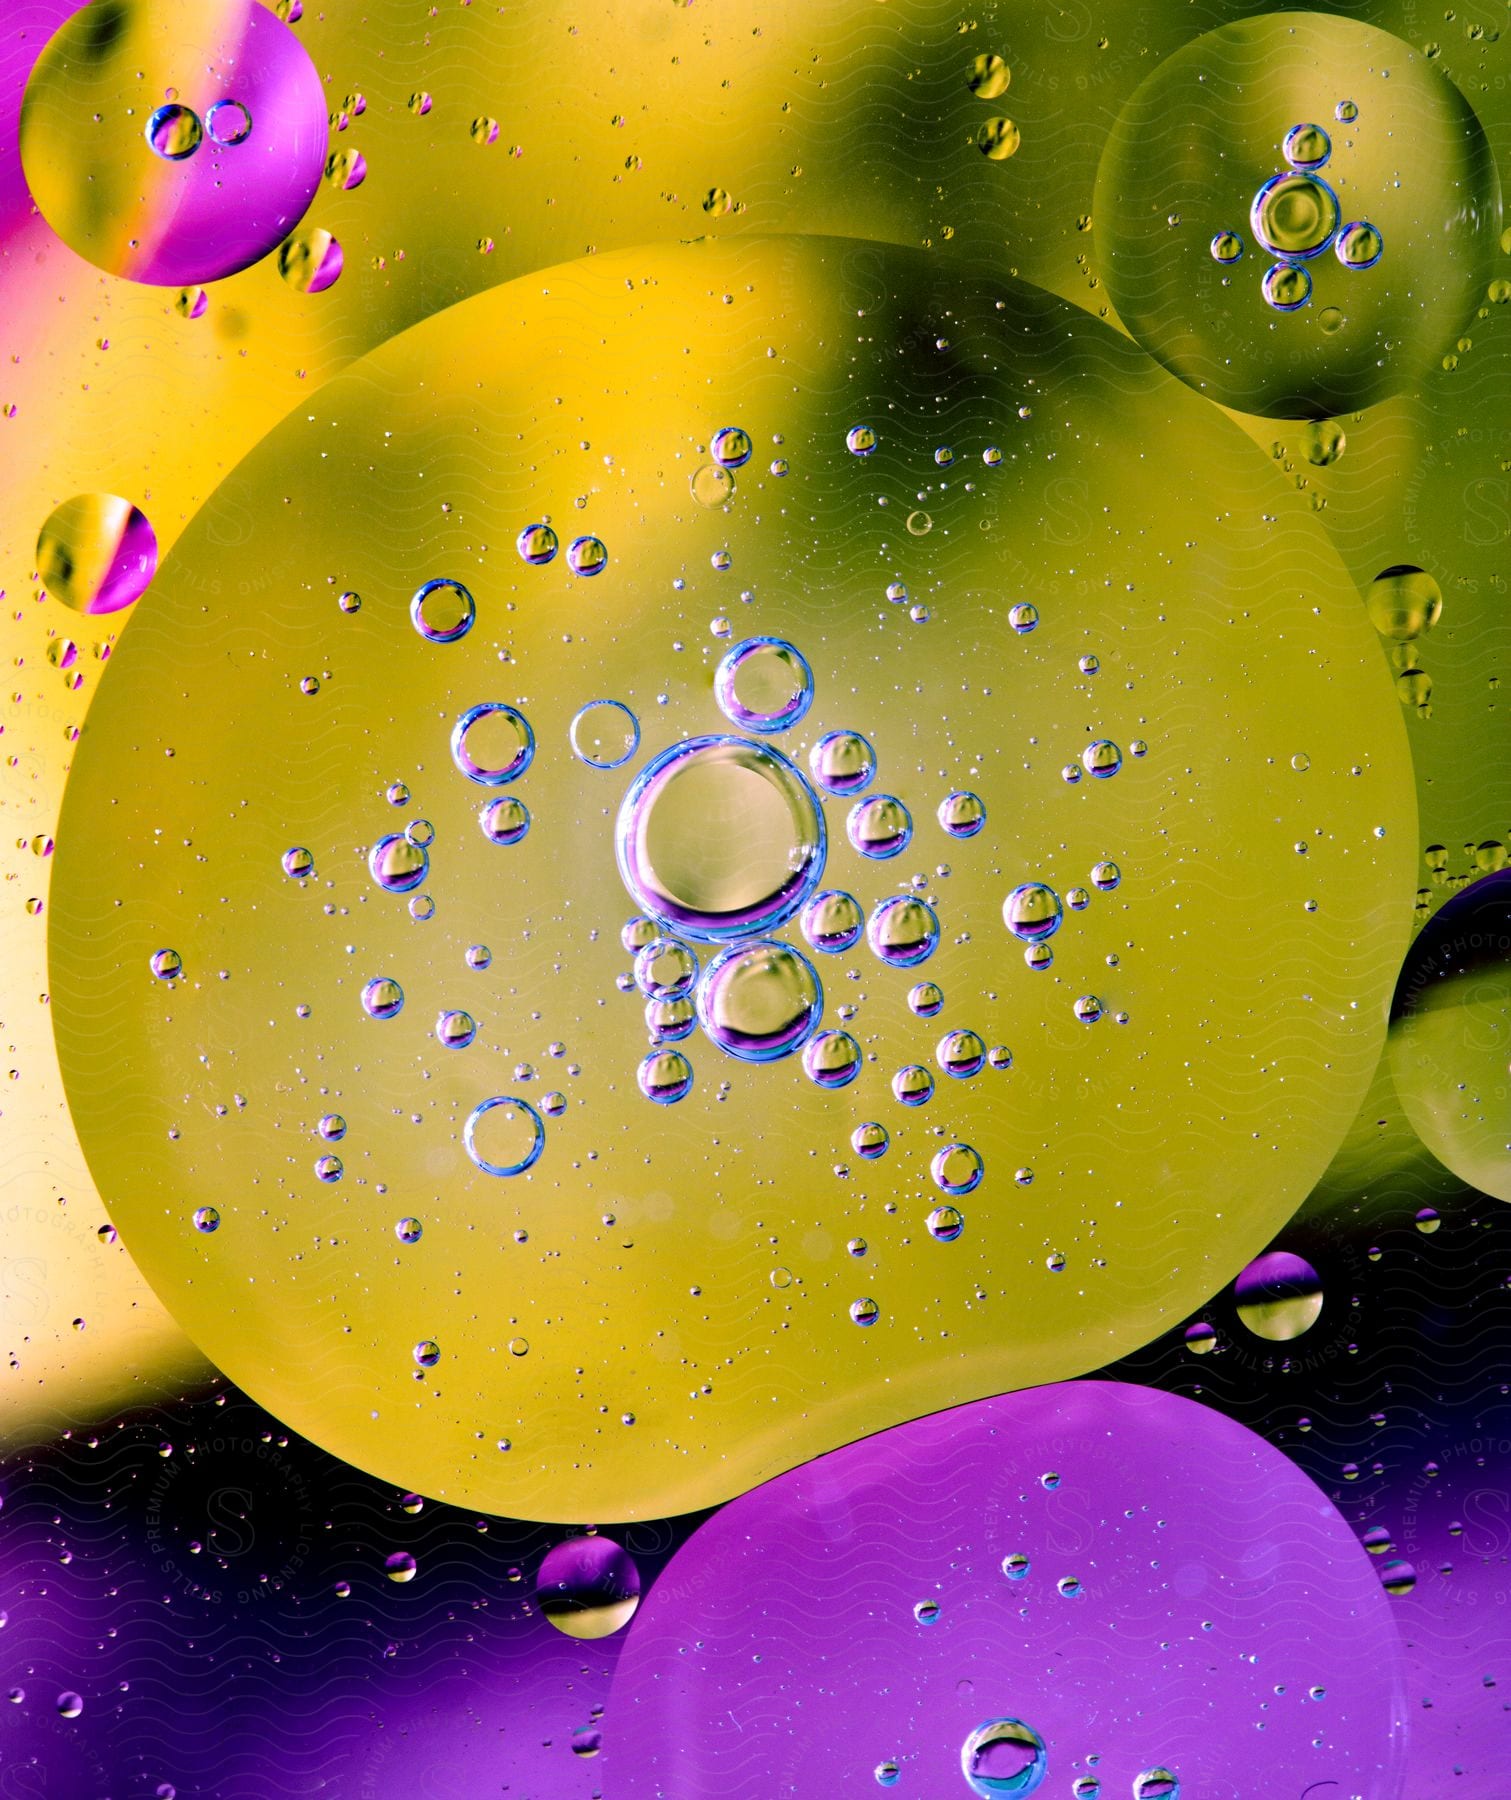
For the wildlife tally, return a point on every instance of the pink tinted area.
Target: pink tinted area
(331, 265)
(131, 568)
(227, 205)
(1226, 1624)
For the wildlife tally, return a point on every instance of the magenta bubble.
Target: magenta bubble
(1210, 1574)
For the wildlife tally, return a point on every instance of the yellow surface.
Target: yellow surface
(1164, 1151)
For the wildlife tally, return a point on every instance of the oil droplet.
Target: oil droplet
(832, 922)
(1003, 1756)
(1279, 1296)
(879, 827)
(442, 611)
(763, 684)
(492, 743)
(504, 1135)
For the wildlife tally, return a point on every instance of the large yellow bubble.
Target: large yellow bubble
(666, 1305)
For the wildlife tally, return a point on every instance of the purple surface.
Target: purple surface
(779, 1653)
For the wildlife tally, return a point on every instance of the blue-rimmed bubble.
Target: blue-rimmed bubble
(1102, 759)
(1003, 1757)
(665, 1076)
(1295, 216)
(763, 684)
(961, 1054)
(174, 132)
(1286, 286)
(842, 763)
(832, 922)
(962, 814)
(759, 1002)
(831, 1059)
(492, 743)
(228, 122)
(860, 440)
(382, 997)
(912, 1085)
(1359, 245)
(442, 611)
(665, 969)
(455, 1029)
(879, 827)
(504, 1135)
(1023, 617)
(587, 555)
(537, 544)
(1306, 147)
(720, 838)
(903, 931)
(869, 1140)
(397, 864)
(731, 447)
(1227, 247)
(1032, 912)
(605, 734)
(505, 820)
(956, 1169)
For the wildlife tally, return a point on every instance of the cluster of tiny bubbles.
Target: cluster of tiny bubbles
(605, 734)
(962, 814)
(397, 863)
(442, 611)
(879, 827)
(860, 440)
(1032, 912)
(903, 931)
(720, 838)
(587, 555)
(382, 997)
(206, 1218)
(409, 1230)
(945, 1224)
(1015, 1565)
(763, 684)
(1088, 1009)
(492, 743)
(831, 1059)
(832, 922)
(512, 1134)
(1023, 617)
(869, 1140)
(537, 544)
(1101, 759)
(956, 1170)
(1156, 1784)
(1003, 1756)
(504, 820)
(455, 1029)
(175, 132)
(760, 1001)
(960, 1054)
(166, 965)
(478, 956)
(842, 763)
(865, 1311)
(665, 969)
(925, 999)
(427, 1353)
(1105, 876)
(665, 1076)
(912, 1085)
(731, 447)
